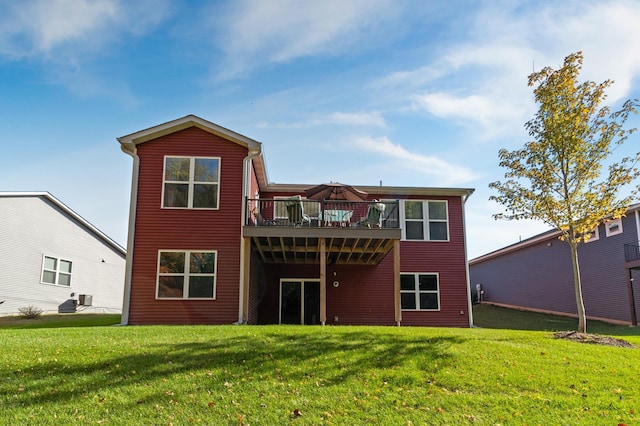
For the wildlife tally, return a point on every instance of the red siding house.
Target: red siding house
(212, 241)
(536, 274)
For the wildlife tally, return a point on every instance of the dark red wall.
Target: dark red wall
(365, 293)
(176, 229)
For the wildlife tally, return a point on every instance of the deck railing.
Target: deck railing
(296, 211)
(631, 252)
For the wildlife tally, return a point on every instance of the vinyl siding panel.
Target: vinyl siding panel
(187, 229)
(540, 276)
(33, 226)
(365, 293)
(448, 259)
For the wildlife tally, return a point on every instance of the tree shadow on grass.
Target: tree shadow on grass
(297, 356)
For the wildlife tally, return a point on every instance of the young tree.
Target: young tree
(558, 177)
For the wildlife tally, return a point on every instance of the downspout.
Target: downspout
(246, 173)
(133, 204)
(466, 260)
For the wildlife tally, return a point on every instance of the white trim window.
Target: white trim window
(613, 227)
(191, 182)
(425, 220)
(56, 271)
(186, 274)
(419, 292)
(593, 235)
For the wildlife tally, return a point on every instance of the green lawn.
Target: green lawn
(489, 316)
(61, 320)
(279, 375)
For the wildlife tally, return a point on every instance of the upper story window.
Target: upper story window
(186, 275)
(56, 271)
(613, 227)
(594, 235)
(191, 182)
(425, 220)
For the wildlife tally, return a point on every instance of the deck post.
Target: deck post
(246, 279)
(396, 281)
(323, 281)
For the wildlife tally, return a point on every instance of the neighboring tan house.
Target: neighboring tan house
(212, 241)
(536, 274)
(54, 260)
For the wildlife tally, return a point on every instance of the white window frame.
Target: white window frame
(610, 223)
(426, 220)
(302, 282)
(191, 182)
(595, 235)
(186, 274)
(416, 291)
(56, 271)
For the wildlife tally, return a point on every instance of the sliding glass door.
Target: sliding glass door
(299, 301)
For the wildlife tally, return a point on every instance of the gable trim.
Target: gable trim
(129, 142)
(75, 216)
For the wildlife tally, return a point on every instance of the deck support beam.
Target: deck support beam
(246, 279)
(323, 281)
(396, 281)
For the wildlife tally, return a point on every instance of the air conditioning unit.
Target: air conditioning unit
(85, 300)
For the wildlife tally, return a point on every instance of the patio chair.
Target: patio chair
(259, 220)
(374, 215)
(295, 211)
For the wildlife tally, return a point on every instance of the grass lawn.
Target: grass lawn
(279, 375)
(489, 316)
(60, 320)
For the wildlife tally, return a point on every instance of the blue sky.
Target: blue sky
(410, 93)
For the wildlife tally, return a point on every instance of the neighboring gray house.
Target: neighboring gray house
(55, 260)
(536, 274)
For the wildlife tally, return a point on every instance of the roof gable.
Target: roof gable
(551, 234)
(72, 214)
(129, 142)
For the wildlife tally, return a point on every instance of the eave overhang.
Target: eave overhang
(129, 142)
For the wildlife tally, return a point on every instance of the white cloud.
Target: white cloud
(482, 82)
(489, 113)
(370, 119)
(434, 167)
(72, 38)
(258, 32)
(62, 29)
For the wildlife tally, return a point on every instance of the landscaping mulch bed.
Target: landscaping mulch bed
(595, 339)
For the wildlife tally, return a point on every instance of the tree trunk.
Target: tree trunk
(577, 284)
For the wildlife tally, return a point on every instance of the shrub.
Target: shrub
(29, 312)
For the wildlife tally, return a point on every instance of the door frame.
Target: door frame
(301, 281)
